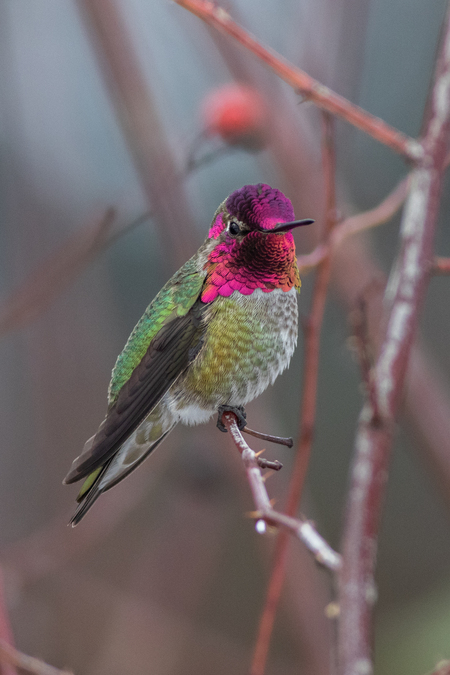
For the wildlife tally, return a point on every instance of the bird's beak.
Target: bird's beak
(287, 227)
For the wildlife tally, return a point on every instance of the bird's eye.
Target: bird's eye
(234, 228)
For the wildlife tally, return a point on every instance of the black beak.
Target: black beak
(287, 227)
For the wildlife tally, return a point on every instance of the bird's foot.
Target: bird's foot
(237, 410)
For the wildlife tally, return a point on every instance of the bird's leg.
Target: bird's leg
(237, 410)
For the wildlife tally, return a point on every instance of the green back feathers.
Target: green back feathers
(174, 299)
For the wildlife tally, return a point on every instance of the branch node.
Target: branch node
(268, 464)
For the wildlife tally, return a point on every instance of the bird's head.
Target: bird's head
(252, 243)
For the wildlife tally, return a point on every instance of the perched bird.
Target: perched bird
(217, 334)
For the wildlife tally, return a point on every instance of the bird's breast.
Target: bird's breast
(249, 341)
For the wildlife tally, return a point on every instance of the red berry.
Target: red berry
(236, 113)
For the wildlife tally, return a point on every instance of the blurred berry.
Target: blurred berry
(236, 113)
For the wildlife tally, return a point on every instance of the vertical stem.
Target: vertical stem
(312, 329)
(376, 425)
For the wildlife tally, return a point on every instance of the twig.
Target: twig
(355, 224)
(264, 463)
(12, 657)
(279, 440)
(312, 90)
(308, 408)
(374, 437)
(302, 529)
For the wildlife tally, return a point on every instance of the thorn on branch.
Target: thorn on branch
(265, 513)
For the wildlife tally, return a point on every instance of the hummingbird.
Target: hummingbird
(217, 334)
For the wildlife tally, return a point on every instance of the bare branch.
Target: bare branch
(355, 224)
(302, 529)
(279, 440)
(375, 431)
(312, 90)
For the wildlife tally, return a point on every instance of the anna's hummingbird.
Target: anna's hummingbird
(218, 333)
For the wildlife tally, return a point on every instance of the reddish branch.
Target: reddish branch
(309, 88)
(355, 224)
(265, 514)
(376, 427)
(313, 326)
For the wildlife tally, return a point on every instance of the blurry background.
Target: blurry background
(166, 574)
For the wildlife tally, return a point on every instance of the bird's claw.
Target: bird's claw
(237, 410)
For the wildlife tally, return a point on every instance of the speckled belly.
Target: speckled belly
(250, 341)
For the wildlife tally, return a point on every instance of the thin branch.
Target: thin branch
(12, 657)
(308, 409)
(279, 440)
(355, 224)
(265, 514)
(375, 434)
(310, 89)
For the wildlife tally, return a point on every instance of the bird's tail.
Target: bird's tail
(131, 454)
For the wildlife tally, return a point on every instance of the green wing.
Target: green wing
(167, 338)
(175, 299)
